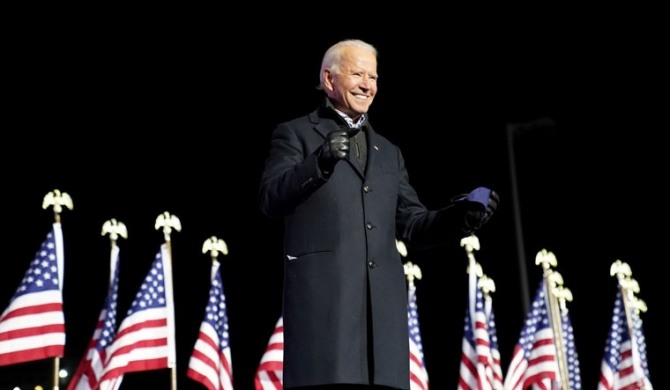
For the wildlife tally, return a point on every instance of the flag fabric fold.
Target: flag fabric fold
(89, 370)
(480, 359)
(32, 327)
(144, 340)
(534, 360)
(269, 374)
(624, 365)
(418, 375)
(210, 362)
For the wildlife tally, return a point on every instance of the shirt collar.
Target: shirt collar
(350, 122)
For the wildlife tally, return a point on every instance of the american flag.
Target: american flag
(269, 374)
(534, 361)
(145, 338)
(32, 327)
(418, 376)
(90, 367)
(210, 362)
(480, 359)
(624, 365)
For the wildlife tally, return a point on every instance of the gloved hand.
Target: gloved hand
(482, 202)
(334, 149)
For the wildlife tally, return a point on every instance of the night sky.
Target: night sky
(133, 124)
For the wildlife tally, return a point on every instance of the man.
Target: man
(344, 194)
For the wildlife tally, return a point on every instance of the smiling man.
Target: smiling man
(344, 194)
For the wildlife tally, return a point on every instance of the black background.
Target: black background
(134, 117)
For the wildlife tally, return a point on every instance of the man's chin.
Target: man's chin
(361, 110)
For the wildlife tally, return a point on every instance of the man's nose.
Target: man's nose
(366, 82)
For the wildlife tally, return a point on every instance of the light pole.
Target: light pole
(513, 130)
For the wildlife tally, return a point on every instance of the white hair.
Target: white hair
(333, 57)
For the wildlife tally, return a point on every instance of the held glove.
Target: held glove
(482, 202)
(334, 149)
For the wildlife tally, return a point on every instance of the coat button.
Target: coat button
(369, 225)
(366, 188)
(372, 264)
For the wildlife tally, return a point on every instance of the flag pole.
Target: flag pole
(474, 270)
(58, 200)
(629, 287)
(167, 222)
(553, 281)
(562, 295)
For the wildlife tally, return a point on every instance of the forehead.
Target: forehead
(357, 58)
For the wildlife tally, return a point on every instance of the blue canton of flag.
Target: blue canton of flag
(210, 362)
(574, 371)
(495, 352)
(215, 313)
(43, 273)
(642, 348)
(152, 290)
(108, 313)
(108, 331)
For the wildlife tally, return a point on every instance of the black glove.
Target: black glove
(334, 149)
(481, 204)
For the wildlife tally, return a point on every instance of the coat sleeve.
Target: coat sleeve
(291, 172)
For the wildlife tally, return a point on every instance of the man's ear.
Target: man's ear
(327, 80)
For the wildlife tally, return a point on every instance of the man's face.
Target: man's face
(353, 87)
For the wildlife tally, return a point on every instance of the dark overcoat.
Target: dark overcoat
(344, 292)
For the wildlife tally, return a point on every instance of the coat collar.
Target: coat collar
(326, 120)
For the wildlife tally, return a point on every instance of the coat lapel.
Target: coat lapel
(324, 124)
